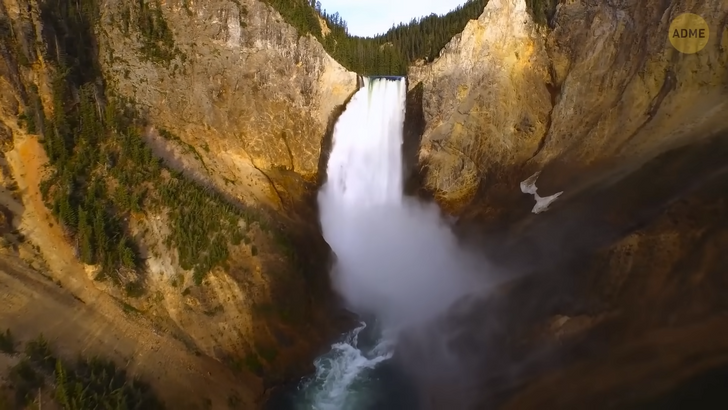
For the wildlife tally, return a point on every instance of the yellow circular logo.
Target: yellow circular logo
(689, 33)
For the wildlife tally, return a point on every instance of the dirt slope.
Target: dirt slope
(76, 317)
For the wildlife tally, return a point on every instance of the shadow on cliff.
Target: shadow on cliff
(414, 128)
(314, 259)
(327, 142)
(636, 330)
(316, 263)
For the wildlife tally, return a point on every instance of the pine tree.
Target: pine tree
(99, 232)
(66, 212)
(61, 392)
(126, 254)
(85, 234)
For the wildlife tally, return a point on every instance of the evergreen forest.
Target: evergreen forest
(392, 52)
(86, 384)
(103, 175)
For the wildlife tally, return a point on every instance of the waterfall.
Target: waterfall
(364, 174)
(396, 259)
(365, 165)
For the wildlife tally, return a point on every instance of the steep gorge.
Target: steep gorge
(618, 283)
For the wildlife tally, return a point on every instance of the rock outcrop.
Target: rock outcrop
(486, 102)
(603, 83)
(251, 96)
(612, 291)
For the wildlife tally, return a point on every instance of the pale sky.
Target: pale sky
(372, 17)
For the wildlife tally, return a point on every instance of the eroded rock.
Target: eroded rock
(604, 83)
(633, 132)
(244, 89)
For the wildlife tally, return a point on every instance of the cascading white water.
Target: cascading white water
(395, 257)
(365, 165)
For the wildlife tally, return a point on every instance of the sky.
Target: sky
(372, 17)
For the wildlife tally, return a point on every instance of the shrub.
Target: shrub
(7, 342)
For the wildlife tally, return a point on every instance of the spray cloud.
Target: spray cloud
(396, 257)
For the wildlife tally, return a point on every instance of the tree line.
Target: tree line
(89, 383)
(390, 53)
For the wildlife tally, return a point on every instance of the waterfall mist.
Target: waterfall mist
(396, 258)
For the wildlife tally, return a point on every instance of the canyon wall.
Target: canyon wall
(241, 86)
(603, 82)
(230, 97)
(611, 292)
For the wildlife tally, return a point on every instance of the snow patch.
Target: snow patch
(528, 186)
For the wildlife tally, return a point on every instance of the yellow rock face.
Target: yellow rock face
(485, 102)
(249, 106)
(603, 83)
(633, 130)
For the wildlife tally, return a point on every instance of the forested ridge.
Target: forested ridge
(102, 173)
(392, 52)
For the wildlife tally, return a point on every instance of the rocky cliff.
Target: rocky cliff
(236, 105)
(602, 82)
(238, 84)
(241, 103)
(612, 291)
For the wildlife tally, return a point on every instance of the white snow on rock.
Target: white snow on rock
(528, 186)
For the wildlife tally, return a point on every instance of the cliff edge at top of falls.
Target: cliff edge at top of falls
(191, 132)
(241, 84)
(485, 101)
(613, 296)
(506, 96)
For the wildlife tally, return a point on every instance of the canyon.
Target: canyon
(615, 291)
